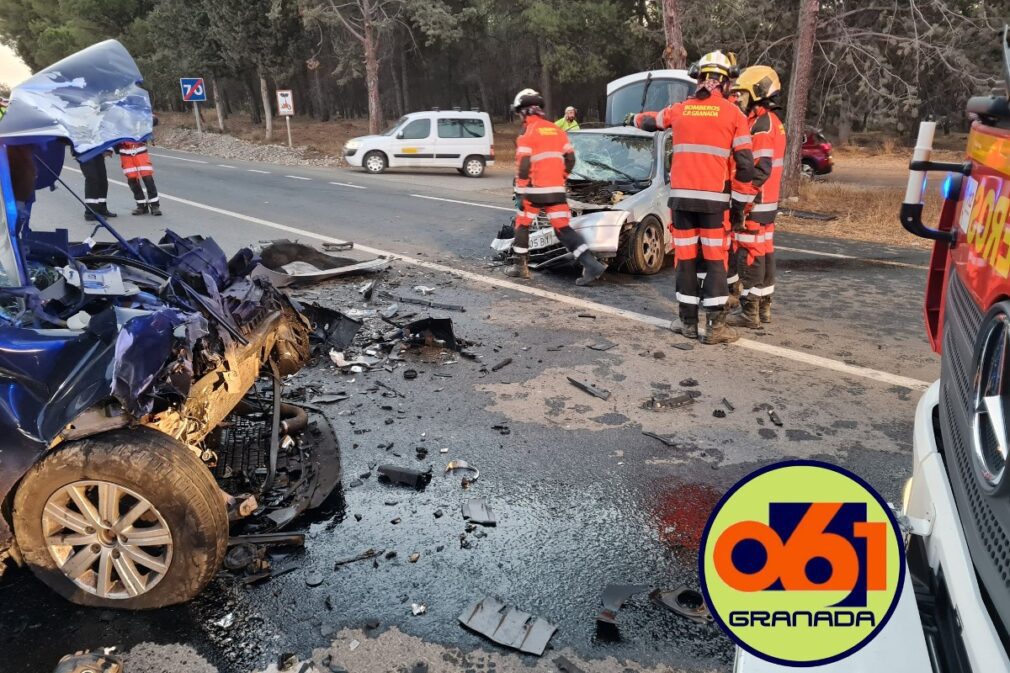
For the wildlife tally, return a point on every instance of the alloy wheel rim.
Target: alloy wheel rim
(107, 539)
(650, 245)
(374, 164)
(473, 167)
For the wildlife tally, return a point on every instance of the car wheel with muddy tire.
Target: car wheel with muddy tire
(127, 519)
(375, 162)
(646, 248)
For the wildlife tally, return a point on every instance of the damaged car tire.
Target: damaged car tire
(646, 248)
(127, 519)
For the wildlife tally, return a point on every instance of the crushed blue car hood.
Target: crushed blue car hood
(90, 100)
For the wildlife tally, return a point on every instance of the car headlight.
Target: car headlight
(352, 144)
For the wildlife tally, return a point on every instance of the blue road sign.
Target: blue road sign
(193, 90)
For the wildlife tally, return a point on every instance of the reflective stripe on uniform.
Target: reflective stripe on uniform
(524, 150)
(520, 251)
(735, 278)
(133, 153)
(95, 200)
(579, 251)
(687, 299)
(750, 238)
(559, 214)
(741, 140)
(721, 197)
(569, 147)
(702, 149)
(540, 190)
(743, 198)
(715, 301)
(762, 291)
(765, 207)
(715, 242)
(761, 154)
(683, 242)
(547, 155)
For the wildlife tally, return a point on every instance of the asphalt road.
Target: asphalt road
(584, 498)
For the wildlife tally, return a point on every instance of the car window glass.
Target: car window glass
(450, 128)
(418, 129)
(391, 129)
(473, 128)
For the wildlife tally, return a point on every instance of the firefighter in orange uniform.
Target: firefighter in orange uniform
(710, 138)
(758, 89)
(544, 158)
(136, 163)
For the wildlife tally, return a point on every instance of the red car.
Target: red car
(817, 158)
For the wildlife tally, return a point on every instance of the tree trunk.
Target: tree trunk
(254, 106)
(799, 88)
(844, 125)
(545, 80)
(675, 55)
(217, 104)
(371, 47)
(485, 99)
(317, 93)
(268, 113)
(405, 80)
(397, 88)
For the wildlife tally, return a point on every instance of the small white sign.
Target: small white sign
(285, 103)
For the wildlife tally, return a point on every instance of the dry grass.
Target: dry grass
(864, 213)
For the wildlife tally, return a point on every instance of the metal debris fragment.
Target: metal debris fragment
(729, 406)
(418, 608)
(589, 388)
(684, 346)
(366, 290)
(314, 579)
(684, 602)
(689, 383)
(774, 418)
(364, 556)
(669, 442)
(476, 510)
(614, 596)
(507, 626)
(603, 346)
(501, 365)
(587, 315)
(665, 402)
(461, 465)
(719, 413)
(565, 665)
(424, 290)
(410, 374)
(404, 476)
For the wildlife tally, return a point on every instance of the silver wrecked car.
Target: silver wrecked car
(618, 193)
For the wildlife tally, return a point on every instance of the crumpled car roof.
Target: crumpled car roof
(91, 100)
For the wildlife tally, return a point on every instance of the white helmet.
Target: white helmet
(714, 63)
(527, 98)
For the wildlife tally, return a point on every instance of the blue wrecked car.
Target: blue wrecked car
(140, 381)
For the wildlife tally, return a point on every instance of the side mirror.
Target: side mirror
(399, 136)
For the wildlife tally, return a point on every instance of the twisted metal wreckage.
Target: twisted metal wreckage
(124, 340)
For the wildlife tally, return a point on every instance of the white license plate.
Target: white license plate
(543, 239)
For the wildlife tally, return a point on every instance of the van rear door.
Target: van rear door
(459, 138)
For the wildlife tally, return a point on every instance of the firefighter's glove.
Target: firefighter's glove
(736, 217)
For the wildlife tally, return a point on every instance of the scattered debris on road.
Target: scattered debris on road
(774, 418)
(476, 510)
(662, 402)
(471, 475)
(404, 476)
(507, 626)
(364, 556)
(684, 602)
(589, 388)
(287, 264)
(418, 609)
(614, 596)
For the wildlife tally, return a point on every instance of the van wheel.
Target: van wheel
(646, 248)
(473, 167)
(807, 170)
(375, 162)
(127, 519)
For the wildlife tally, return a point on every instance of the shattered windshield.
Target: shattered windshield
(612, 157)
(9, 276)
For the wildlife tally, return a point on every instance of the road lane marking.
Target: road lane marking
(169, 156)
(253, 170)
(576, 302)
(347, 184)
(835, 255)
(224, 166)
(296, 177)
(464, 203)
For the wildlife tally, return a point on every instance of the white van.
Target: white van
(437, 138)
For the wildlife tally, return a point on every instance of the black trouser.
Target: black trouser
(700, 235)
(96, 183)
(138, 191)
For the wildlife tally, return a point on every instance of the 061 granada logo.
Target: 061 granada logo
(802, 563)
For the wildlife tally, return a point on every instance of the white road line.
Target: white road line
(224, 166)
(464, 203)
(835, 255)
(169, 156)
(296, 177)
(760, 347)
(253, 170)
(347, 184)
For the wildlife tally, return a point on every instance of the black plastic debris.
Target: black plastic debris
(689, 383)
(589, 388)
(729, 405)
(587, 315)
(719, 413)
(476, 510)
(410, 374)
(774, 418)
(366, 290)
(669, 442)
(329, 399)
(603, 346)
(684, 602)
(501, 365)
(432, 333)
(565, 665)
(425, 302)
(507, 626)
(404, 476)
(330, 329)
(614, 597)
(287, 264)
(684, 346)
(666, 402)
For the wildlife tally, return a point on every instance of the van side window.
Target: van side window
(419, 129)
(460, 128)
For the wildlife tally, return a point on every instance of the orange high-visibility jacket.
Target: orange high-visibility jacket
(768, 137)
(544, 158)
(134, 159)
(710, 135)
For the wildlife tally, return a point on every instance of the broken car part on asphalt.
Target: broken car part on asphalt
(431, 333)
(665, 402)
(684, 602)
(476, 510)
(404, 476)
(330, 329)
(591, 389)
(288, 264)
(364, 556)
(470, 473)
(614, 596)
(508, 626)
(425, 302)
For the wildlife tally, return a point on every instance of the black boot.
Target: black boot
(89, 216)
(748, 316)
(718, 332)
(155, 209)
(592, 268)
(141, 209)
(103, 210)
(520, 267)
(685, 328)
(765, 309)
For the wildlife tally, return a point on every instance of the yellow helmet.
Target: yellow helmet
(714, 63)
(759, 82)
